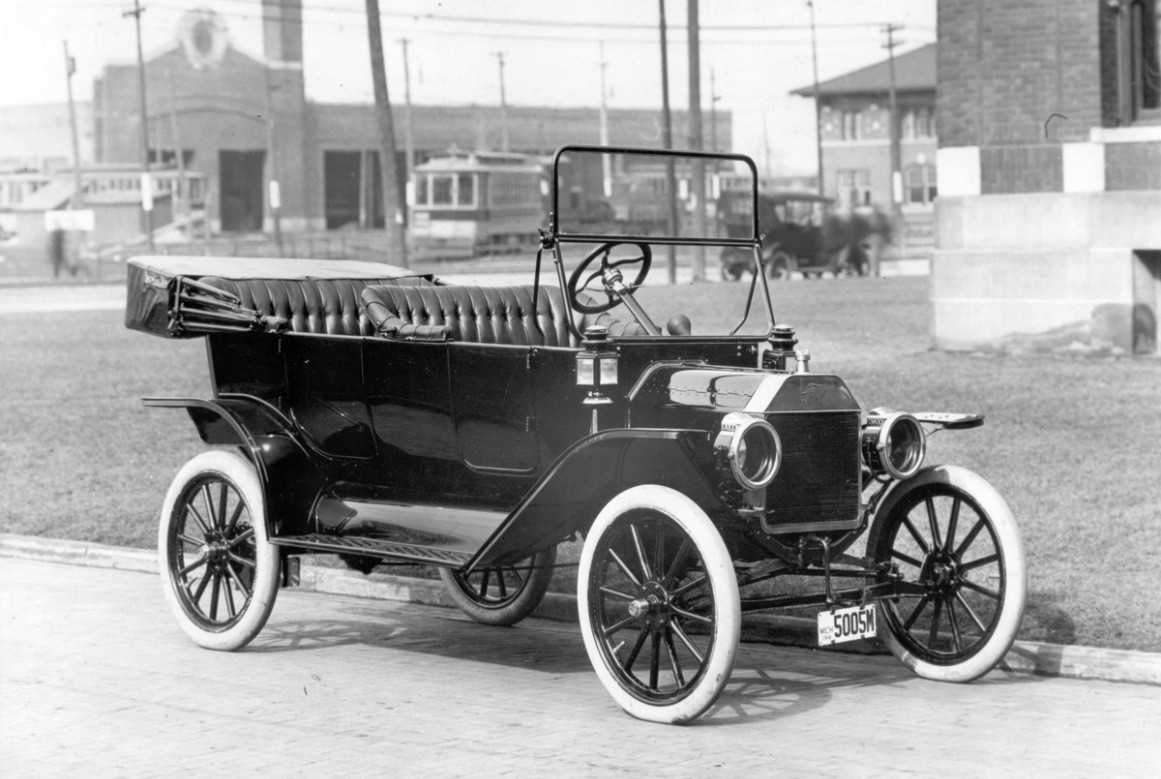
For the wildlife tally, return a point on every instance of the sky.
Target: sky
(758, 51)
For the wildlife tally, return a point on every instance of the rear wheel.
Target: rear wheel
(659, 605)
(504, 594)
(218, 567)
(780, 264)
(953, 536)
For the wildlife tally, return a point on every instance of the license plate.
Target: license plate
(849, 624)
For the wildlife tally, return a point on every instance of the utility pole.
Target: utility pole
(697, 184)
(817, 97)
(275, 188)
(392, 212)
(896, 152)
(713, 113)
(606, 160)
(766, 145)
(504, 145)
(146, 181)
(408, 139)
(667, 139)
(78, 199)
(180, 193)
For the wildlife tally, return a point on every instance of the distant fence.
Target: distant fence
(32, 264)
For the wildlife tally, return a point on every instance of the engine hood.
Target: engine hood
(681, 394)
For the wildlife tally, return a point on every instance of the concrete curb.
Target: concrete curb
(1074, 662)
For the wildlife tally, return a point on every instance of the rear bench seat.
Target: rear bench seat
(488, 315)
(324, 306)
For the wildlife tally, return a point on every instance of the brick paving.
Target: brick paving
(96, 679)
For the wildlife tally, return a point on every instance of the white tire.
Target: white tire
(656, 584)
(501, 595)
(218, 568)
(972, 582)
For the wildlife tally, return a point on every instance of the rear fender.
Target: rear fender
(290, 480)
(570, 494)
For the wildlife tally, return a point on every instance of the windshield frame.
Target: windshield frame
(554, 231)
(551, 239)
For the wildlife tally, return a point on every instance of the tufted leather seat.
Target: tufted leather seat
(490, 315)
(324, 306)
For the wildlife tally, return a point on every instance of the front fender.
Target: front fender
(570, 494)
(971, 482)
(290, 480)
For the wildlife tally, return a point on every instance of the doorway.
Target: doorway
(353, 190)
(241, 175)
(1146, 301)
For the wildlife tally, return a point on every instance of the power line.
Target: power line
(605, 27)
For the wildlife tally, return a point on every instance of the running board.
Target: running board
(372, 547)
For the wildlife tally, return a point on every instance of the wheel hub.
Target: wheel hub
(941, 572)
(217, 552)
(652, 603)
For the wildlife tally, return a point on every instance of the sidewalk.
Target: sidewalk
(1026, 657)
(97, 680)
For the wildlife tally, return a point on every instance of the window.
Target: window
(441, 190)
(453, 190)
(515, 189)
(854, 187)
(921, 187)
(917, 123)
(850, 125)
(465, 190)
(1138, 71)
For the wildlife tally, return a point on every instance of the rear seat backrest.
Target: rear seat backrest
(323, 306)
(489, 315)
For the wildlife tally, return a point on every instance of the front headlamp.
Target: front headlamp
(748, 450)
(893, 443)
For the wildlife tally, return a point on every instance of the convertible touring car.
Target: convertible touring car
(382, 415)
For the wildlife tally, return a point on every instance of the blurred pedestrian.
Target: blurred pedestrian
(57, 251)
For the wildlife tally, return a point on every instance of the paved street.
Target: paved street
(97, 679)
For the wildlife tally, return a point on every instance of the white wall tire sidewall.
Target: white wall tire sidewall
(727, 627)
(524, 604)
(244, 476)
(1015, 567)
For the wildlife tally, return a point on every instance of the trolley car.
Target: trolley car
(465, 204)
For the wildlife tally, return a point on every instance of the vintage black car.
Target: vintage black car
(800, 232)
(381, 415)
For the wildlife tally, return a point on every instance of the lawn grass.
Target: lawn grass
(1071, 443)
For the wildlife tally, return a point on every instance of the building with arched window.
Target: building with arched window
(243, 119)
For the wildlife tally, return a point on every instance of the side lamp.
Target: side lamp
(596, 368)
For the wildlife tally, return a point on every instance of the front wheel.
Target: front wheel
(218, 567)
(504, 594)
(954, 540)
(659, 606)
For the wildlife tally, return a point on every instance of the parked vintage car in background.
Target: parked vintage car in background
(382, 415)
(801, 233)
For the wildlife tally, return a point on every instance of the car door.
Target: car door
(492, 409)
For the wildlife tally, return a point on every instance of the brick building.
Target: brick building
(212, 101)
(1049, 215)
(855, 117)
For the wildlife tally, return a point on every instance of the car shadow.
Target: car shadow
(767, 683)
(536, 645)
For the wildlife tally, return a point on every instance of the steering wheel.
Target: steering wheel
(602, 251)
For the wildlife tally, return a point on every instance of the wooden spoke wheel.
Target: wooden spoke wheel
(501, 595)
(218, 567)
(952, 536)
(659, 604)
